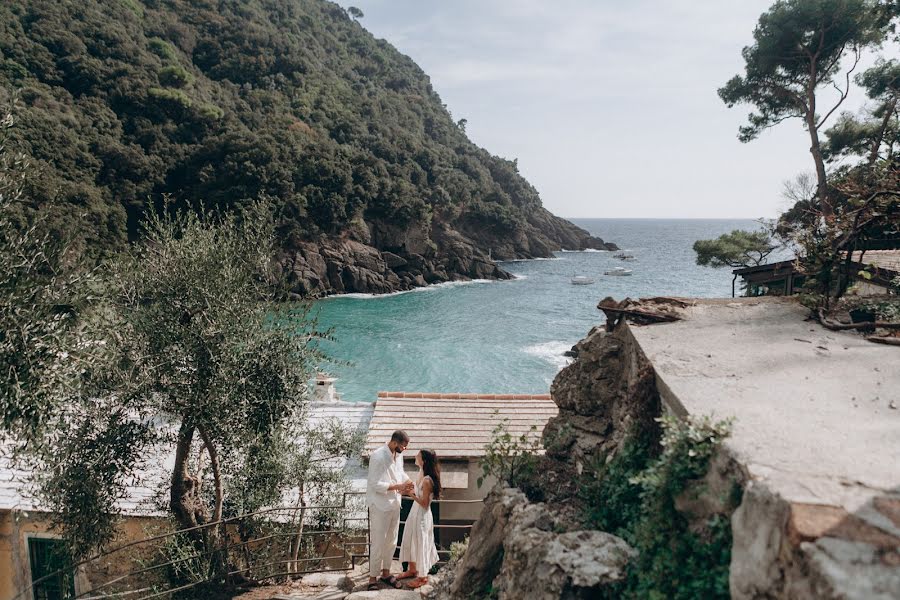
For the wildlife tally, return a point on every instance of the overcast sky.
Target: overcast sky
(610, 106)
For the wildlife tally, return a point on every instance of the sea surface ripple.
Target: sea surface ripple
(509, 336)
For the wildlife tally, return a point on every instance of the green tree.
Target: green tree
(739, 248)
(874, 133)
(38, 339)
(355, 12)
(798, 48)
(197, 361)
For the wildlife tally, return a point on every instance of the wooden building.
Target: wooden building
(457, 427)
(872, 273)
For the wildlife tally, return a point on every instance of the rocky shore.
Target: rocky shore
(379, 257)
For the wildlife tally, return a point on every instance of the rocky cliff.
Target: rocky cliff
(625, 506)
(379, 257)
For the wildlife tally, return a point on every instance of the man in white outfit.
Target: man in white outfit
(387, 481)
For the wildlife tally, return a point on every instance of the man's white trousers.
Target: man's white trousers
(383, 529)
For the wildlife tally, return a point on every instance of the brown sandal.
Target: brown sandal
(417, 583)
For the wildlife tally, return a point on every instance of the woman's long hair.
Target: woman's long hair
(432, 468)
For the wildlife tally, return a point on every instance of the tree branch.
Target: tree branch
(217, 474)
(843, 93)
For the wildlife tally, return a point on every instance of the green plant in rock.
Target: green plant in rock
(612, 501)
(509, 458)
(688, 445)
(634, 495)
(458, 549)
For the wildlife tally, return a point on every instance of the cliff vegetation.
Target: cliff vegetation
(375, 186)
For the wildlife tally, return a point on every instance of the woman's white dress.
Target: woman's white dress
(418, 537)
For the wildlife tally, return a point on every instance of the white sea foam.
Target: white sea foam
(514, 260)
(428, 288)
(585, 250)
(552, 352)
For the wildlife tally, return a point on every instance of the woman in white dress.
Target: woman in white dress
(417, 547)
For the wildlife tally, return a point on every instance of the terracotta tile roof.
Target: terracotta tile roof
(455, 425)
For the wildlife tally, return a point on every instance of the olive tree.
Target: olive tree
(38, 340)
(198, 362)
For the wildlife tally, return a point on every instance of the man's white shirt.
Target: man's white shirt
(385, 470)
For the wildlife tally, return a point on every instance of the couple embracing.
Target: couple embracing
(387, 481)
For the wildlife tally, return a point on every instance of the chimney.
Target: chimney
(324, 390)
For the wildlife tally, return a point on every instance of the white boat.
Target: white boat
(582, 280)
(618, 271)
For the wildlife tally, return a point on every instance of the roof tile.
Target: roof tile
(456, 425)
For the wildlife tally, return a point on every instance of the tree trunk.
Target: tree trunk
(185, 501)
(876, 144)
(298, 537)
(815, 148)
(216, 535)
(217, 474)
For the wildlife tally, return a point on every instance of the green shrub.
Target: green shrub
(174, 76)
(510, 459)
(633, 496)
(162, 48)
(612, 501)
(134, 6)
(166, 96)
(210, 111)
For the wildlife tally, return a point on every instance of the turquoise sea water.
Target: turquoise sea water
(509, 336)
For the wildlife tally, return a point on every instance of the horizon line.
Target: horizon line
(673, 218)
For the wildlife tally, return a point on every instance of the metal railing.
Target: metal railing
(236, 550)
(270, 563)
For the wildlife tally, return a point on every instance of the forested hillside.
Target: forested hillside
(219, 102)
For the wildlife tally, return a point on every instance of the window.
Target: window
(47, 556)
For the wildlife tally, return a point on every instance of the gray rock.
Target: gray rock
(393, 261)
(481, 562)
(338, 580)
(541, 564)
(537, 562)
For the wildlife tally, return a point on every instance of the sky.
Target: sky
(610, 107)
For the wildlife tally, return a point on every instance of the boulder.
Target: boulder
(540, 564)
(600, 396)
(516, 549)
(393, 261)
(481, 562)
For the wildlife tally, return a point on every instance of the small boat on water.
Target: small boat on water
(618, 271)
(582, 280)
(623, 256)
